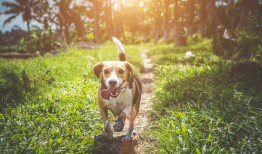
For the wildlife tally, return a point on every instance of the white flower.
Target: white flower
(188, 54)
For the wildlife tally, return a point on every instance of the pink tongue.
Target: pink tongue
(105, 93)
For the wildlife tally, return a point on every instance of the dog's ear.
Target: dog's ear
(131, 74)
(98, 69)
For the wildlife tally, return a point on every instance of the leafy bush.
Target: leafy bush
(248, 43)
(43, 41)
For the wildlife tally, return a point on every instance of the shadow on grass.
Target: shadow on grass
(230, 96)
(116, 146)
(14, 86)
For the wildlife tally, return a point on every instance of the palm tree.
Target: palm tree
(65, 17)
(20, 7)
(166, 20)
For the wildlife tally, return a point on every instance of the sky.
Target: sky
(18, 21)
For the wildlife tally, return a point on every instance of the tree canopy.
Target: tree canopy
(139, 21)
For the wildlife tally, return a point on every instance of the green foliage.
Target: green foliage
(51, 102)
(245, 41)
(21, 45)
(43, 40)
(200, 106)
(246, 46)
(90, 37)
(248, 43)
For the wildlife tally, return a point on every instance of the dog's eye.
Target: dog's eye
(121, 71)
(106, 71)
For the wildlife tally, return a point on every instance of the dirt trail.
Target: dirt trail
(142, 121)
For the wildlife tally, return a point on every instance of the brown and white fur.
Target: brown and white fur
(119, 91)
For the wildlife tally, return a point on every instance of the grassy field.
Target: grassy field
(201, 106)
(49, 104)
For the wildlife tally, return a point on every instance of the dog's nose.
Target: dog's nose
(112, 82)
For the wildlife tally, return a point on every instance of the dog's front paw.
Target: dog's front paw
(127, 138)
(119, 125)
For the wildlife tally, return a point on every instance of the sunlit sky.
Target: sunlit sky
(18, 21)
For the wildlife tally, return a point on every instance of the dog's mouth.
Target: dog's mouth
(111, 91)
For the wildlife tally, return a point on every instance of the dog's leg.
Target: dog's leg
(108, 131)
(107, 125)
(120, 122)
(134, 111)
(131, 126)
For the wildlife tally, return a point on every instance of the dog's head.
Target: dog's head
(114, 73)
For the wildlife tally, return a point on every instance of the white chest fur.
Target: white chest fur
(118, 104)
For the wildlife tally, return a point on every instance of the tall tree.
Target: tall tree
(203, 18)
(44, 13)
(247, 8)
(156, 13)
(191, 15)
(209, 20)
(166, 20)
(175, 23)
(78, 13)
(97, 5)
(213, 20)
(108, 19)
(20, 7)
(119, 19)
(64, 17)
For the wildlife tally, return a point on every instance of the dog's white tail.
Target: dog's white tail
(120, 48)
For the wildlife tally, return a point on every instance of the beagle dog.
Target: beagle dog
(119, 91)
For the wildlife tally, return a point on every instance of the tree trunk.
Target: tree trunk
(66, 32)
(109, 21)
(190, 19)
(29, 42)
(177, 33)
(209, 20)
(119, 28)
(213, 20)
(157, 31)
(245, 9)
(203, 18)
(166, 25)
(175, 30)
(96, 11)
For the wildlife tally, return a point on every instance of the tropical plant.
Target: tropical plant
(20, 7)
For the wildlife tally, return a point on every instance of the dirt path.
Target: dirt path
(142, 121)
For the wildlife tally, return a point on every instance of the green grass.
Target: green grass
(200, 106)
(49, 104)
